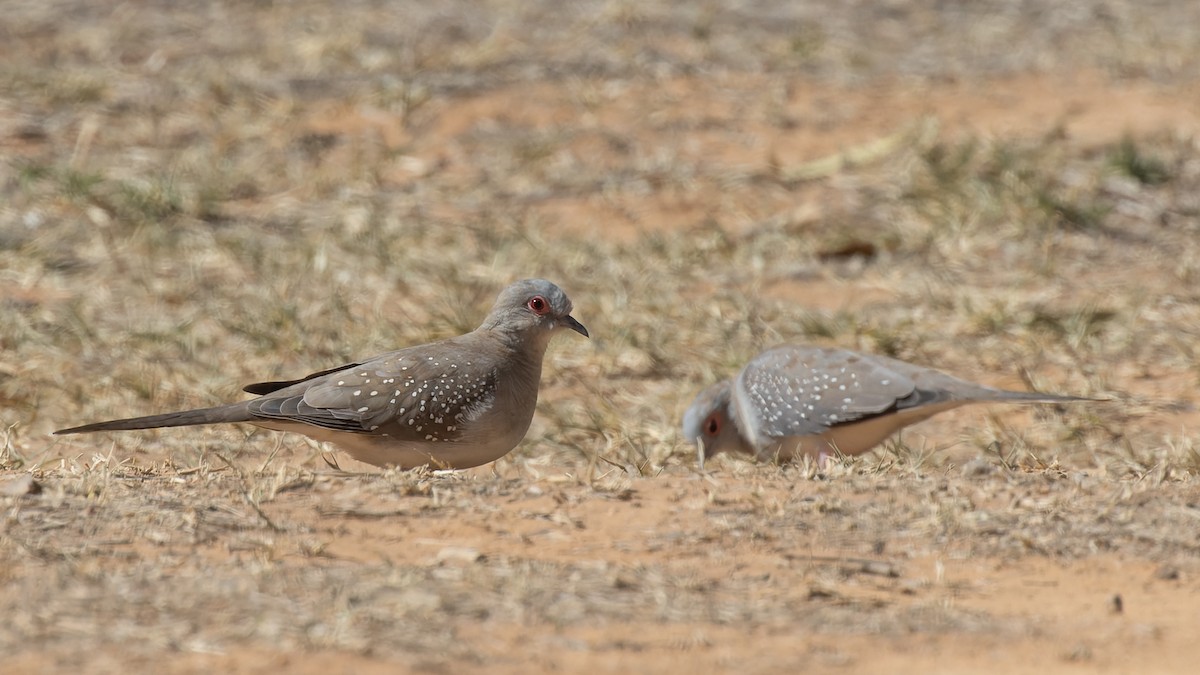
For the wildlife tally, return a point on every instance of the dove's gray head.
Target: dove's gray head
(532, 308)
(710, 421)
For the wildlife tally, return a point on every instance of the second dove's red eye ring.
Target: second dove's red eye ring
(538, 304)
(713, 426)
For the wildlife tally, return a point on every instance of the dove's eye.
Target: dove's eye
(713, 425)
(538, 304)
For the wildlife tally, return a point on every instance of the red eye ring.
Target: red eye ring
(538, 305)
(712, 426)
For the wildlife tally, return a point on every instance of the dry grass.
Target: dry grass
(194, 197)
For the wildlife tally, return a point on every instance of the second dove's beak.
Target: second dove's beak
(569, 321)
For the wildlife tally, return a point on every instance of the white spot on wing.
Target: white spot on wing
(476, 409)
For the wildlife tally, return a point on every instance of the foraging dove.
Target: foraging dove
(794, 401)
(456, 403)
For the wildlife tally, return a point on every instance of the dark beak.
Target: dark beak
(569, 321)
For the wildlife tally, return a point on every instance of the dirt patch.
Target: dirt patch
(748, 569)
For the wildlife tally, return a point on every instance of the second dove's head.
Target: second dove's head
(709, 422)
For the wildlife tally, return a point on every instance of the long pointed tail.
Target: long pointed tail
(1002, 395)
(234, 412)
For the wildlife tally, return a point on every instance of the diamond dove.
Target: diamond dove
(793, 401)
(457, 403)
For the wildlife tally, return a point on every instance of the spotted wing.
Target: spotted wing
(262, 388)
(403, 394)
(805, 391)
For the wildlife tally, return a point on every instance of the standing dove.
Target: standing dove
(457, 403)
(793, 401)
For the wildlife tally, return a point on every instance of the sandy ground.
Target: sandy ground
(891, 178)
(745, 570)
